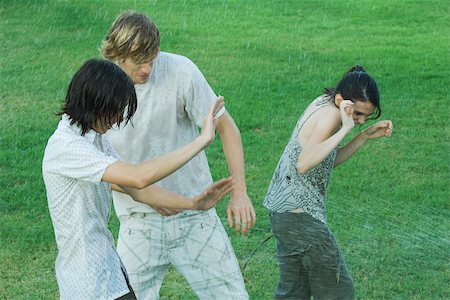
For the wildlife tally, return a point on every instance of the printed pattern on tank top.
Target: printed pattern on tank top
(289, 189)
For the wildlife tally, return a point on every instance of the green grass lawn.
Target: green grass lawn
(388, 206)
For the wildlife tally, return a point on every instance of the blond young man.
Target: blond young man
(173, 97)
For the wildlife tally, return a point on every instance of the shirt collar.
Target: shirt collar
(90, 135)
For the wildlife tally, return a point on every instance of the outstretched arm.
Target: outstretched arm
(141, 175)
(161, 210)
(240, 206)
(380, 129)
(159, 197)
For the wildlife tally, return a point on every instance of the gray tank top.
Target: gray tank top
(290, 190)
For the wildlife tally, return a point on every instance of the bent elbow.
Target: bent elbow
(136, 183)
(139, 184)
(143, 179)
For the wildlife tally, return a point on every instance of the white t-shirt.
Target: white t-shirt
(171, 107)
(87, 265)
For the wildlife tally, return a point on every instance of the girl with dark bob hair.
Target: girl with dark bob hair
(310, 261)
(80, 166)
(99, 92)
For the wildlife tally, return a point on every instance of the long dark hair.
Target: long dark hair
(358, 85)
(99, 91)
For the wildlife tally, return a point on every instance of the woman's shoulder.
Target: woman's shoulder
(324, 100)
(323, 105)
(325, 114)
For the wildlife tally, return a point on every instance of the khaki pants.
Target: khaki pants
(194, 242)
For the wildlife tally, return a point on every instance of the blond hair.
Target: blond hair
(132, 36)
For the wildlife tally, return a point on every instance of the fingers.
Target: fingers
(247, 222)
(230, 217)
(384, 127)
(241, 213)
(245, 219)
(216, 106)
(224, 184)
(226, 190)
(220, 189)
(251, 219)
(379, 129)
(389, 128)
(346, 112)
(210, 121)
(347, 106)
(253, 216)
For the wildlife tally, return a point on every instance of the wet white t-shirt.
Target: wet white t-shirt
(87, 265)
(171, 107)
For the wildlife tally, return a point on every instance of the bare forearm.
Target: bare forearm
(146, 173)
(234, 152)
(350, 148)
(313, 155)
(156, 169)
(156, 196)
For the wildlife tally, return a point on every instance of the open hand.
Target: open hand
(210, 121)
(213, 194)
(379, 129)
(241, 208)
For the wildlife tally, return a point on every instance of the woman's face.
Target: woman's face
(361, 111)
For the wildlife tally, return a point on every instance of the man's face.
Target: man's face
(138, 72)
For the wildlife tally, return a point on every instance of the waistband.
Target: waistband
(186, 213)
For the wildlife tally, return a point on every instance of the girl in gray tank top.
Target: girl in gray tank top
(291, 190)
(310, 262)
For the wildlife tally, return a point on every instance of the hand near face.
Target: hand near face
(379, 129)
(346, 112)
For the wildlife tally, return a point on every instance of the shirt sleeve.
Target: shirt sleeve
(199, 96)
(79, 159)
(109, 149)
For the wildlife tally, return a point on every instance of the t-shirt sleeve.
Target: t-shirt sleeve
(80, 160)
(109, 149)
(199, 96)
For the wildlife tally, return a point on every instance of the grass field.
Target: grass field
(388, 206)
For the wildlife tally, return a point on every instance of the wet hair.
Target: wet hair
(99, 91)
(358, 85)
(132, 35)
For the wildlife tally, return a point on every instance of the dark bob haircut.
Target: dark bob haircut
(99, 91)
(357, 85)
